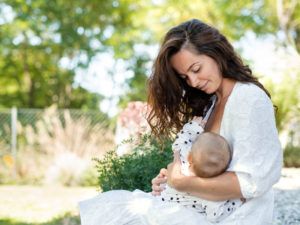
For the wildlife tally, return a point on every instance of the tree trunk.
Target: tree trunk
(28, 79)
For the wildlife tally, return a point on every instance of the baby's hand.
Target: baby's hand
(199, 120)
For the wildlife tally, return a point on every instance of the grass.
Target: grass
(52, 205)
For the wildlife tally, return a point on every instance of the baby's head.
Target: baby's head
(210, 155)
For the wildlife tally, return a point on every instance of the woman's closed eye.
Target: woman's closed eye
(196, 70)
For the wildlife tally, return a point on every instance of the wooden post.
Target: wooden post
(14, 118)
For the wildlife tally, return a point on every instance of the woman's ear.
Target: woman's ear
(189, 159)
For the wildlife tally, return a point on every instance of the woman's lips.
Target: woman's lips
(203, 87)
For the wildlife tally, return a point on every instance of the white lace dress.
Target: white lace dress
(248, 125)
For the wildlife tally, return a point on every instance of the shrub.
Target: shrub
(291, 156)
(135, 170)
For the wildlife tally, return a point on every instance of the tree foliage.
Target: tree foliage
(287, 99)
(46, 41)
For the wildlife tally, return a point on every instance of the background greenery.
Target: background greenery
(42, 49)
(291, 156)
(45, 43)
(135, 170)
(36, 37)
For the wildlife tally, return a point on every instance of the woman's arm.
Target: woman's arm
(223, 187)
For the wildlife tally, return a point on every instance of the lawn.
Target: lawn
(52, 205)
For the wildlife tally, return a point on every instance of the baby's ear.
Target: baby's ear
(189, 158)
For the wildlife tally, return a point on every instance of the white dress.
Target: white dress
(248, 125)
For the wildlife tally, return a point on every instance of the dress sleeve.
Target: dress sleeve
(257, 153)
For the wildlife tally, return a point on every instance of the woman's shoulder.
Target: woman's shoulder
(248, 88)
(248, 92)
(247, 97)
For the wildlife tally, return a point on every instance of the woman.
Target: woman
(195, 64)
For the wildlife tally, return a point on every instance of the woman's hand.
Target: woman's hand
(159, 181)
(174, 171)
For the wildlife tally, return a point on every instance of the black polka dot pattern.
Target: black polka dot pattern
(212, 212)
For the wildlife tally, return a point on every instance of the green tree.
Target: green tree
(136, 84)
(46, 41)
(44, 34)
(286, 97)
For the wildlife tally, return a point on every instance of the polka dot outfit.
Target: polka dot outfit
(213, 211)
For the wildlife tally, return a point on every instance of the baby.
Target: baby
(203, 154)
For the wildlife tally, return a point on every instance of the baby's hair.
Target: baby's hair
(210, 155)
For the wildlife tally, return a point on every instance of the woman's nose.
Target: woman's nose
(193, 81)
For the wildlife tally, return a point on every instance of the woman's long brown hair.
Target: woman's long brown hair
(172, 101)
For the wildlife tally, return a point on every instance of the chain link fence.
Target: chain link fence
(26, 133)
(5, 131)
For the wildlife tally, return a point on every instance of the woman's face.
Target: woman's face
(199, 71)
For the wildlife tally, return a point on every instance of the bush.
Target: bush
(135, 170)
(291, 156)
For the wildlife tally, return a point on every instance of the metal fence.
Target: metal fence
(5, 131)
(15, 121)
